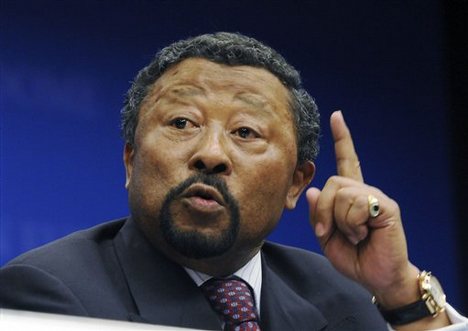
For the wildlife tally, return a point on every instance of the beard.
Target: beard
(193, 243)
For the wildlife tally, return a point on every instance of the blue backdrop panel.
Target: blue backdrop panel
(67, 64)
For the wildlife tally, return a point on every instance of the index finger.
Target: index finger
(347, 162)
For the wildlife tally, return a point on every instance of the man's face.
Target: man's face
(214, 160)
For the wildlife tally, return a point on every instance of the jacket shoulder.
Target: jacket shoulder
(73, 275)
(71, 248)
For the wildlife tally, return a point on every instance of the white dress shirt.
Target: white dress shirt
(250, 273)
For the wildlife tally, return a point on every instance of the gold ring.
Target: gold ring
(374, 208)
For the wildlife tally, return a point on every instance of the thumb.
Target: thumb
(312, 196)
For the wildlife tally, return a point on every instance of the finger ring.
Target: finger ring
(374, 208)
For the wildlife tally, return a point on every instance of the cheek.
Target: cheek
(159, 159)
(263, 197)
(153, 176)
(145, 194)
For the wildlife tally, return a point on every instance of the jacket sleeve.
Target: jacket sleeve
(27, 287)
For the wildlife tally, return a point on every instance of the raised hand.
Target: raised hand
(370, 250)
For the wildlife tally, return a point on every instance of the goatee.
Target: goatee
(193, 243)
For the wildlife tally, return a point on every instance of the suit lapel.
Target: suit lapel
(284, 309)
(162, 290)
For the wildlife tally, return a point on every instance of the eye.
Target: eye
(180, 123)
(246, 133)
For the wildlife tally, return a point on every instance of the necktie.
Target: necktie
(232, 298)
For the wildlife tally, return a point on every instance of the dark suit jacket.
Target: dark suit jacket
(111, 271)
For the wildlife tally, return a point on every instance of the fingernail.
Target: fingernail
(319, 230)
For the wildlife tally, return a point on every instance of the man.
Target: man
(220, 137)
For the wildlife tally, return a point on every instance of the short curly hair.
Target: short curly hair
(230, 49)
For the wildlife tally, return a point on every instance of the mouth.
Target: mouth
(204, 197)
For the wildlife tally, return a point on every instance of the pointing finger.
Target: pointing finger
(347, 162)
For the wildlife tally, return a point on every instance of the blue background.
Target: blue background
(65, 66)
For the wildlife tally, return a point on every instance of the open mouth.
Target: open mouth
(204, 194)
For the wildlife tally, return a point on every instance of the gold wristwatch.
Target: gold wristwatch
(432, 302)
(432, 293)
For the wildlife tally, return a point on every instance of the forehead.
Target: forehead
(200, 76)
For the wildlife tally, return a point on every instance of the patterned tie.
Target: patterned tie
(232, 298)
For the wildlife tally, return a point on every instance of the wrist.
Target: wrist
(400, 293)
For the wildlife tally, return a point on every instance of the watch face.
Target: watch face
(437, 292)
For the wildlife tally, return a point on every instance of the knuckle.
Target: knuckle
(393, 206)
(341, 193)
(362, 202)
(333, 179)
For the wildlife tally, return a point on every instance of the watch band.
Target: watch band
(432, 302)
(406, 314)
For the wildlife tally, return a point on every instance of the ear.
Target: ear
(302, 177)
(128, 154)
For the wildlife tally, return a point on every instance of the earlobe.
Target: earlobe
(303, 175)
(128, 162)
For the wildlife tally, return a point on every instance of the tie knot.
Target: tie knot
(233, 299)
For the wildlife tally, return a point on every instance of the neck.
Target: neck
(219, 266)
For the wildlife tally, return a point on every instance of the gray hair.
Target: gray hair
(230, 49)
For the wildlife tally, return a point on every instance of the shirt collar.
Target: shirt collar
(251, 272)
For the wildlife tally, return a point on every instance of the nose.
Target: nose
(210, 154)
